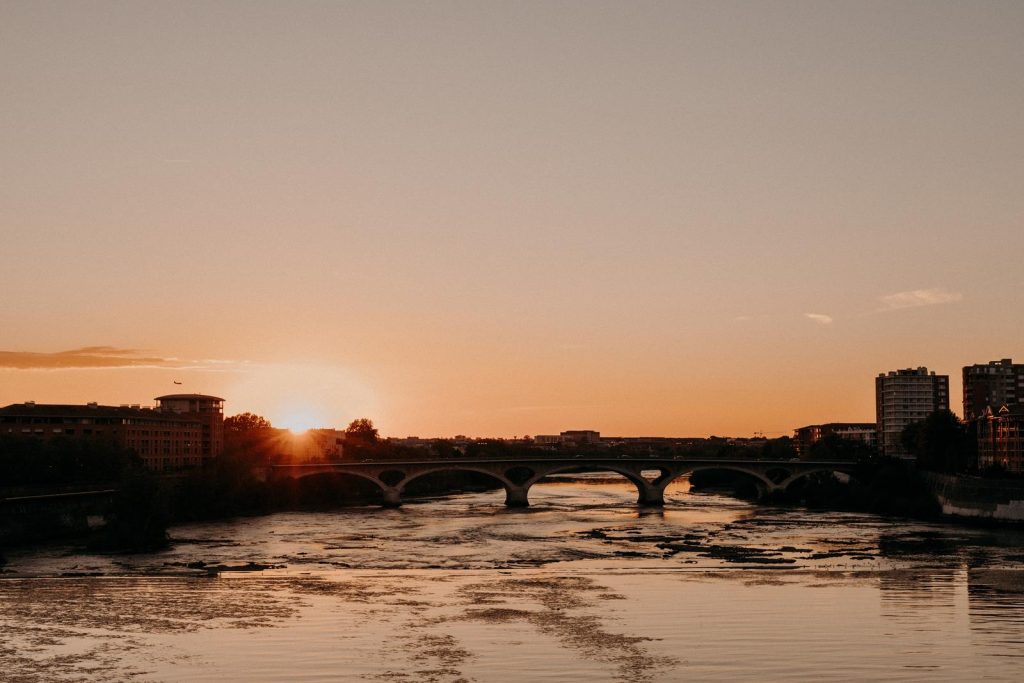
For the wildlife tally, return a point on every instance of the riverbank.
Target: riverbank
(135, 513)
(977, 498)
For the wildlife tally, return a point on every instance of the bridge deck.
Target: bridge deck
(517, 475)
(576, 460)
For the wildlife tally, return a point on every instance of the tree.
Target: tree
(248, 439)
(940, 442)
(778, 449)
(361, 431)
(835, 447)
(246, 423)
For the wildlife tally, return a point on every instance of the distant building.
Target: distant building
(169, 437)
(805, 437)
(411, 441)
(1000, 440)
(992, 386)
(312, 445)
(903, 397)
(581, 436)
(575, 437)
(747, 441)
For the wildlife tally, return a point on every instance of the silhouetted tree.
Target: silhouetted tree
(835, 447)
(778, 449)
(61, 461)
(246, 423)
(940, 442)
(139, 516)
(361, 431)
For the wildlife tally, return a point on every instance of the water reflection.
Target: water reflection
(581, 586)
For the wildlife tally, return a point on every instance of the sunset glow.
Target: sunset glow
(689, 221)
(512, 340)
(297, 423)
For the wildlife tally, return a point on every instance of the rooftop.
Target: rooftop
(188, 397)
(78, 410)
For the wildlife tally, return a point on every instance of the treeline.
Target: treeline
(878, 484)
(32, 466)
(943, 443)
(498, 449)
(147, 503)
(27, 462)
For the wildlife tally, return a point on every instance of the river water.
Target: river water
(581, 586)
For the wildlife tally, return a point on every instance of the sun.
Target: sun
(297, 422)
(299, 397)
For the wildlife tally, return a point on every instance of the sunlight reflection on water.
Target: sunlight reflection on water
(581, 586)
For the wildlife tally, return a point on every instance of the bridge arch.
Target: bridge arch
(649, 492)
(515, 494)
(818, 470)
(454, 467)
(332, 486)
(761, 480)
(305, 473)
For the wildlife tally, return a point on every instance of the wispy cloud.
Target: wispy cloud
(819, 318)
(85, 357)
(919, 297)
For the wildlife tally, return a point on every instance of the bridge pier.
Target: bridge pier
(764, 491)
(517, 496)
(392, 498)
(651, 495)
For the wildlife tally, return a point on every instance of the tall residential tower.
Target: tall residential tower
(997, 384)
(903, 397)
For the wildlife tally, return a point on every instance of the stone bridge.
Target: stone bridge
(649, 475)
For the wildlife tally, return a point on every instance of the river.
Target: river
(581, 586)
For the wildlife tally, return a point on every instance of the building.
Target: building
(312, 445)
(182, 431)
(903, 397)
(581, 436)
(1000, 441)
(411, 441)
(206, 410)
(168, 437)
(991, 386)
(805, 437)
(572, 437)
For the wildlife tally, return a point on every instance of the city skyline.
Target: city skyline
(302, 421)
(647, 219)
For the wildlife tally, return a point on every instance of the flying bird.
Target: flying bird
(176, 382)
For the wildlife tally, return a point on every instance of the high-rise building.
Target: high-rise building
(903, 397)
(994, 385)
(206, 410)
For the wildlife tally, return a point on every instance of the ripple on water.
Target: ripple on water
(582, 586)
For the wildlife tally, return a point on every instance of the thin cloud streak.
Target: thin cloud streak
(919, 297)
(102, 357)
(819, 318)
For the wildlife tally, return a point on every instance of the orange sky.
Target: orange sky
(509, 218)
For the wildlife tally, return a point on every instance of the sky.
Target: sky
(498, 219)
